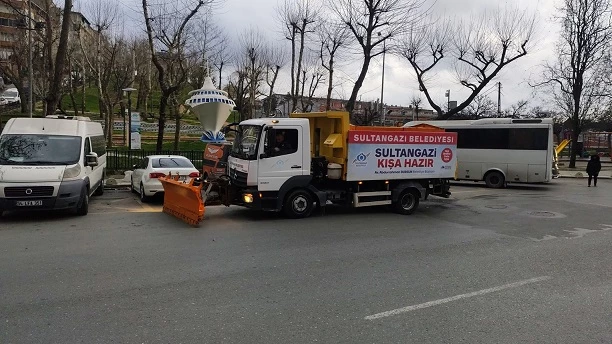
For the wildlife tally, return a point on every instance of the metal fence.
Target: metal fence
(124, 160)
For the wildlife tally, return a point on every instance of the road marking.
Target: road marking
(456, 297)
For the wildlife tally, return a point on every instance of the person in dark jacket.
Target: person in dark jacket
(593, 168)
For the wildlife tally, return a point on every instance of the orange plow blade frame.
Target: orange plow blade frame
(183, 200)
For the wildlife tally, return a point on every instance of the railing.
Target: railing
(124, 160)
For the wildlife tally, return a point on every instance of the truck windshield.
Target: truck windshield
(39, 150)
(245, 144)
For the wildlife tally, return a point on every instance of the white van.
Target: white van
(10, 96)
(55, 162)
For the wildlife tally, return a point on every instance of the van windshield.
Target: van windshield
(10, 94)
(39, 150)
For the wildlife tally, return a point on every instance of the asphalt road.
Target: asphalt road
(524, 264)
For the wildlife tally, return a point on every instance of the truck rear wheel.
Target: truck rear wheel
(407, 202)
(299, 204)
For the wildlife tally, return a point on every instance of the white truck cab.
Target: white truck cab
(271, 151)
(313, 160)
(48, 163)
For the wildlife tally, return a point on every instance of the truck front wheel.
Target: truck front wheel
(299, 204)
(407, 202)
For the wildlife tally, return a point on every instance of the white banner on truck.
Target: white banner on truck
(385, 155)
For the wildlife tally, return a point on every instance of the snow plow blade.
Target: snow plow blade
(183, 200)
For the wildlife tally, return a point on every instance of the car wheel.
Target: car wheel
(495, 180)
(143, 197)
(407, 202)
(83, 207)
(299, 204)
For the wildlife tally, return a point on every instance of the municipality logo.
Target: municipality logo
(361, 160)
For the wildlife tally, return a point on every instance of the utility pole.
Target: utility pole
(382, 89)
(499, 98)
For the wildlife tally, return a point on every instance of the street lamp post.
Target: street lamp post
(129, 90)
(30, 72)
(382, 88)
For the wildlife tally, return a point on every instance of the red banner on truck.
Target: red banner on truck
(383, 155)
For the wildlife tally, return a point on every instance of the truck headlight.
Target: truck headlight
(248, 198)
(72, 172)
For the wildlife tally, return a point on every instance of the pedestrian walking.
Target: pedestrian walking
(593, 168)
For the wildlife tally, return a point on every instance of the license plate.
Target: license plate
(28, 203)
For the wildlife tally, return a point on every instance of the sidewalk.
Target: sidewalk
(118, 181)
(582, 174)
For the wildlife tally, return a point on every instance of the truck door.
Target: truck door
(282, 157)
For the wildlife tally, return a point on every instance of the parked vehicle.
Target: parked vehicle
(146, 174)
(314, 160)
(10, 96)
(56, 162)
(502, 150)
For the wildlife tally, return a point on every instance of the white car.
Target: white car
(146, 174)
(10, 96)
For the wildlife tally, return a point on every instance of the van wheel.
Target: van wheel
(83, 207)
(407, 202)
(299, 204)
(100, 190)
(495, 180)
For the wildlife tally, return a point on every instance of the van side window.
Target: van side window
(87, 146)
(98, 144)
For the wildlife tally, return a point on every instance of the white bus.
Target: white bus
(502, 150)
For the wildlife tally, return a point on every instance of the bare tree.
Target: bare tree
(369, 115)
(16, 66)
(481, 106)
(372, 23)
(252, 61)
(579, 75)
(166, 26)
(298, 18)
(416, 101)
(332, 37)
(51, 67)
(312, 76)
(53, 97)
(211, 46)
(480, 48)
(275, 60)
(516, 110)
(103, 16)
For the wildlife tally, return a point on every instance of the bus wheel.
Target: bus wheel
(299, 204)
(407, 202)
(495, 180)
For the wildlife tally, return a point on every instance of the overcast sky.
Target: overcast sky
(236, 16)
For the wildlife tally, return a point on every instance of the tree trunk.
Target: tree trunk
(72, 89)
(83, 89)
(575, 149)
(60, 59)
(330, 85)
(163, 105)
(177, 129)
(299, 66)
(220, 70)
(350, 105)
